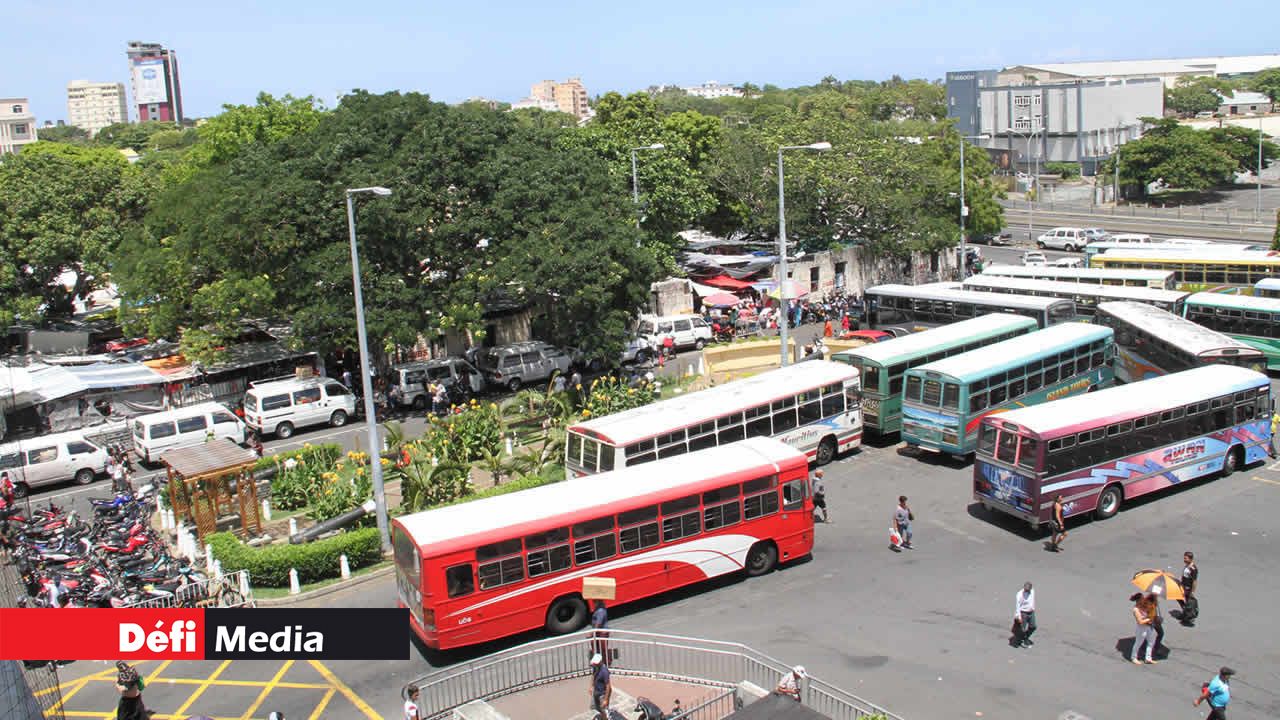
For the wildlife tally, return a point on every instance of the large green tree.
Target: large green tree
(1196, 94)
(1175, 155)
(1267, 82)
(1241, 144)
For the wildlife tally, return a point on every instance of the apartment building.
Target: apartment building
(569, 97)
(92, 106)
(17, 125)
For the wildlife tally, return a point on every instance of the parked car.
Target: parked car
(1004, 237)
(685, 330)
(1204, 114)
(49, 459)
(1064, 238)
(281, 406)
(1067, 262)
(871, 336)
(516, 365)
(1097, 235)
(461, 379)
(156, 433)
(1034, 258)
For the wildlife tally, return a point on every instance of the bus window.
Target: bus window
(1027, 450)
(680, 518)
(506, 563)
(951, 396)
(784, 415)
(1006, 447)
(721, 508)
(987, 441)
(765, 502)
(810, 412)
(639, 529)
(913, 389)
(548, 552)
(832, 404)
(594, 546)
(793, 495)
(459, 580)
(932, 395)
(871, 377)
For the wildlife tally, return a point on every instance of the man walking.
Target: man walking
(789, 684)
(1025, 614)
(902, 518)
(819, 494)
(1218, 692)
(601, 687)
(1189, 604)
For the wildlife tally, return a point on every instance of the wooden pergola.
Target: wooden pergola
(212, 480)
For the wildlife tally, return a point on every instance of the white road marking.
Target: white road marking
(961, 533)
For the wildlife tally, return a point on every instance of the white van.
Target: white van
(155, 433)
(281, 406)
(685, 330)
(1131, 239)
(50, 459)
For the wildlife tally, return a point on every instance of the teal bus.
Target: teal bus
(883, 365)
(1267, 287)
(944, 402)
(1253, 320)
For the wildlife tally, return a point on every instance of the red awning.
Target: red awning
(726, 282)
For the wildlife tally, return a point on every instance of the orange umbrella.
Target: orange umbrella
(1159, 582)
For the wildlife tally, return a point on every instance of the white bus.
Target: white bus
(813, 406)
(1151, 342)
(1086, 297)
(942, 303)
(1160, 279)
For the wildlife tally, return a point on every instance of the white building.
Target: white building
(1168, 71)
(1245, 103)
(713, 89)
(536, 102)
(92, 106)
(17, 125)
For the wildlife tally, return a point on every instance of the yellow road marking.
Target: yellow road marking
(1265, 480)
(70, 693)
(195, 695)
(262, 696)
(347, 692)
(324, 702)
(156, 673)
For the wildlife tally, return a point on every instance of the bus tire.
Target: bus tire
(1232, 461)
(826, 451)
(762, 558)
(84, 476)
(1109, 502)
(284, 430)
(566, 614)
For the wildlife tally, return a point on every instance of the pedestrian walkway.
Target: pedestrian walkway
(222, 690)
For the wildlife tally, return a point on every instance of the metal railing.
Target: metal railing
(231, 590)
(668, 657)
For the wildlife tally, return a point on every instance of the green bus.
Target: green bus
(944, 402)
(1254, 321)
(883, 365)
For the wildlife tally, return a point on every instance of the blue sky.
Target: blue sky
(231, 50)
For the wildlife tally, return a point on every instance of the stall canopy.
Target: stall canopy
(111, 376)
(724, 282)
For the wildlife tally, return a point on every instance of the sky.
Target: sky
(230, 51)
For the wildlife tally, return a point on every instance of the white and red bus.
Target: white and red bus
(503, 565)
(812, 405)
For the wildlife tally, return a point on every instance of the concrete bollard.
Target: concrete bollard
(294, 587)
(293, 527)
(244, 584)
(509, 449)
(344, 568)
(266, 508)
(208, 557)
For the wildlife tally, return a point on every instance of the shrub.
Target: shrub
(1065, 169)
(609, 395)
(296, 486)
(269, 566)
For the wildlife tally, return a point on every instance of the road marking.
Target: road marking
(79, 685)
(1265, 480)
(961, 533)
(262, 696)
(324, 702)
(347, 692)
(204, 685)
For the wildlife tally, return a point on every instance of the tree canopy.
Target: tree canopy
(1182, 157)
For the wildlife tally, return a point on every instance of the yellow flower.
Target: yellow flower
(586, 413)
(385, 462)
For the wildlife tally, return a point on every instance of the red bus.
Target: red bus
(503, 565)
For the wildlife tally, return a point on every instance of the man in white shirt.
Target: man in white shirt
(1025, 614)
(819, 495)
(411, 703)
(789, 685)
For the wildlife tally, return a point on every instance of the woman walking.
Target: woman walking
(129, 684)
(1144, 632)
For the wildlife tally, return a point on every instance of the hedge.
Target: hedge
(270, 461)
(269, 566)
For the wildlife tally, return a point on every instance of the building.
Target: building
(17, 125)
(569, 96)
(712, 89)
(539, 103)
(154, 82)
(1076, 121)
(1246, 103)
(92, 106)
(1167, 71)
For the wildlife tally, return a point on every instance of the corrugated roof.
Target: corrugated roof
(1225, 65)
(209, 457)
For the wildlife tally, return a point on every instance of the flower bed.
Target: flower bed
(270, 565)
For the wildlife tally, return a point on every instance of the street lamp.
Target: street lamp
(370, 413)
(964, 207)
(782, 241)
(635, 178)
(1031, 211)
(1257, 209)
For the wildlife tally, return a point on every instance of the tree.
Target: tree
(268, 121)
(1173, 154)
(1267, 82)
(136, 136)
(1191, 95)
(1241, 144)
(69, 134)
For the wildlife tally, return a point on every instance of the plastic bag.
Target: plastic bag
(895, 539)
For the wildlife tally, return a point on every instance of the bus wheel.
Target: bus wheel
(566, 615)
(761, 559)
(1231, 462)
(826, 451)
(1109, 502)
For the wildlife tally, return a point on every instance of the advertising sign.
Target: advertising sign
(148, 82)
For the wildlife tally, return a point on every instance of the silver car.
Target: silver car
(516, 365)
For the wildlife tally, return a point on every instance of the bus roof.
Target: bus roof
(629, 426)
(992, 358)
(1100, 274)
(1242, 302)
(1195, 252)
(1177, 331)
(456, 527)
(1118, 292)
(949, 295)
(1268, 284)
(1134, 399)
(928, 341)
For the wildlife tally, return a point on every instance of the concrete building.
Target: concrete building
(1246, 103)
(1167, 71)
(95, 105)
(154, 82)
(1077, 121)
(569, 96)
(539, 103)
(712, 89)
(17, 125)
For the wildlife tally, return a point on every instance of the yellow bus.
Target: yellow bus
(1241, 267)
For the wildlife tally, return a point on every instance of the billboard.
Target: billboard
(148, 82)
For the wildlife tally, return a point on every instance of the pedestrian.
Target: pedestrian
(130, 686)
(346, 379)
(1144, 630)
(844, 322)
(558, 384)
(790, 682)
(1157, 625)
(600, 624)
(255, 443)
(826, 329)
(1275, 425)
(411, 711)
(1218, 692)
(1190, 604)
(819, 494)
(1059, 525)
(439, 399)
(1024, 614)
(601, 688)
(117, 478)
(902, 519)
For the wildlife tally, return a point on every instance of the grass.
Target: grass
(272, 593)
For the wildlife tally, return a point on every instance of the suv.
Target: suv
(515, 365)
(460, 377)
(1064, 238)
(684, 330)
(1004, 237)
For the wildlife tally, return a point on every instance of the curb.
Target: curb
(326, 590)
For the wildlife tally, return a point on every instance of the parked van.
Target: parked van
(454, 372)
(51, 459)
(1064, 238)
(155, 433)
(685, 330)
(516, 365)
(1131, 239)
(281, 406)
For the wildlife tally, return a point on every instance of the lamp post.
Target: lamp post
(1257, 208)
(370, 413)
(1031, 211)
(635, 177)
(782, 242)
(964, 207)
